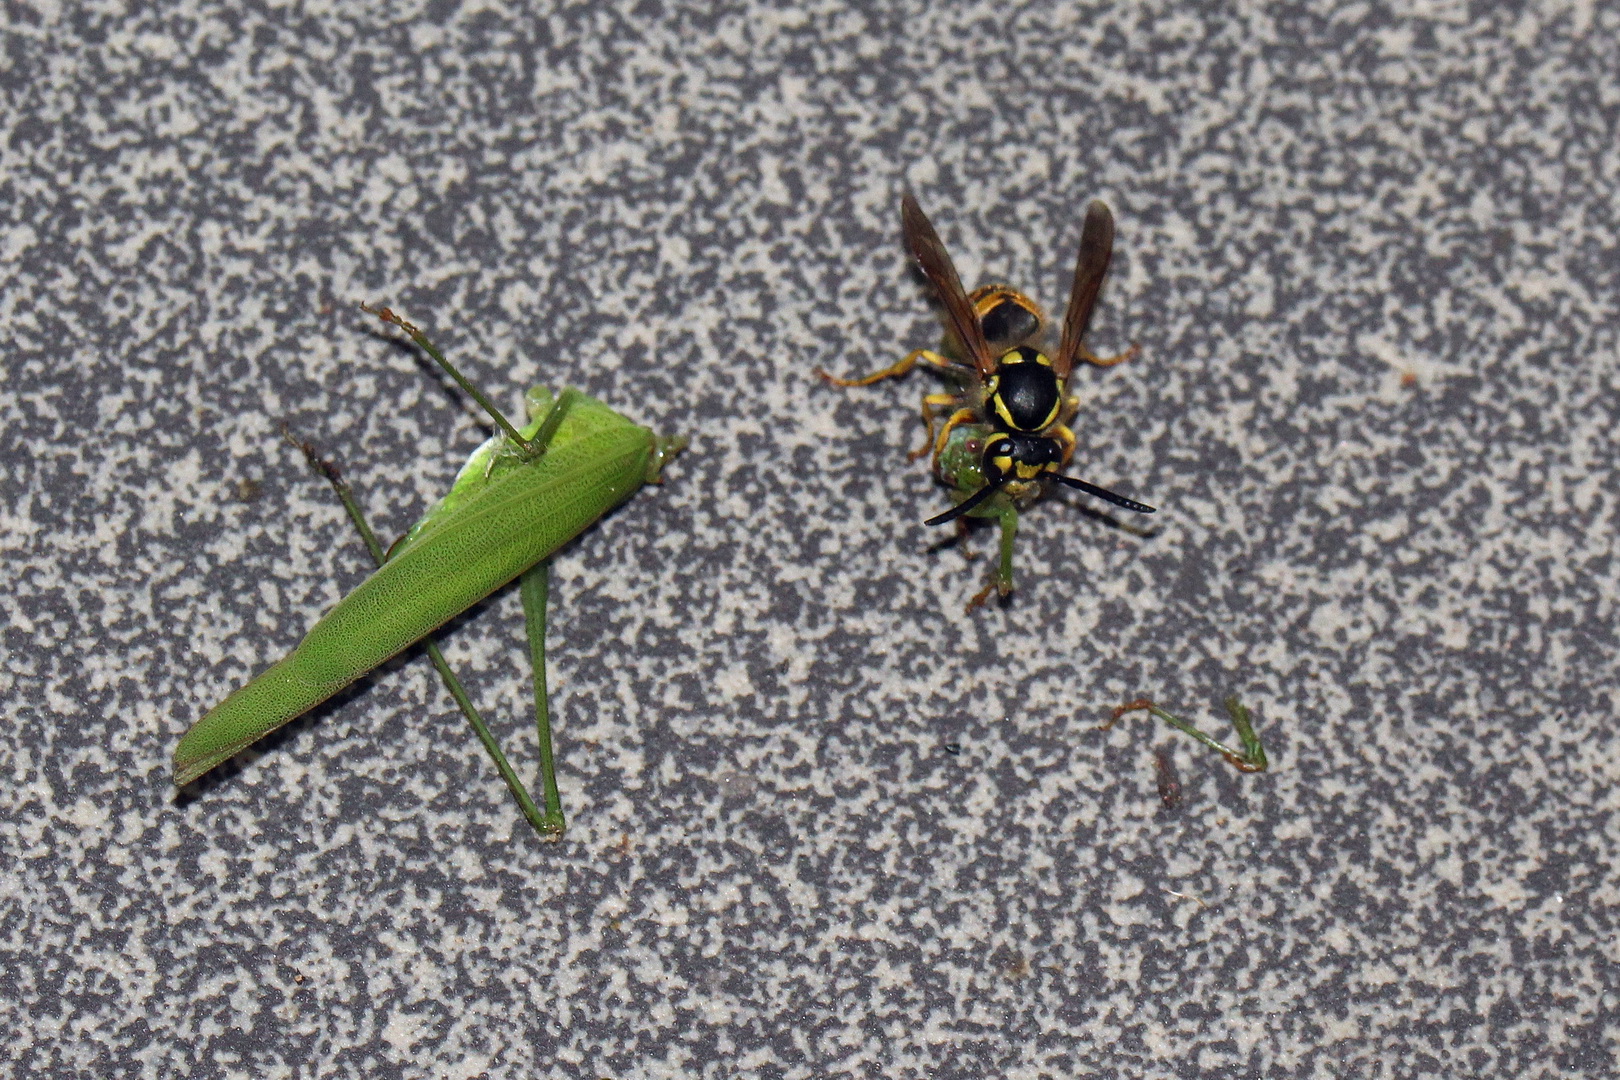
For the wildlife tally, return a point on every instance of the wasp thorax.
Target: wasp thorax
(1024, 393)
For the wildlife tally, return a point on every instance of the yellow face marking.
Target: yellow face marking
(1027, 471)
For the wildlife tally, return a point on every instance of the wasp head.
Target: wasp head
(1017, 463)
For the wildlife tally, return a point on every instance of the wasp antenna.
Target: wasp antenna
(966, 505)
(1103, 493)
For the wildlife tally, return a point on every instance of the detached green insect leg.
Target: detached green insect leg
(1252, 756)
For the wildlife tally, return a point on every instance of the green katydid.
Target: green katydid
(521, 496)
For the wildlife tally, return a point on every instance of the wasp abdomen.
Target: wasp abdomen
(1010, 320)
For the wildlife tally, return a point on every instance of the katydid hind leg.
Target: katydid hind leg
(544, 823)
(534, 587)
(551, 420)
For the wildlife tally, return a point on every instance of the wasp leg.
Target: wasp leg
(960, 416)
(1002, 579)
(1108, 361)
(1252, 758)
(930, 402)
(900, 367)
(1066, 439)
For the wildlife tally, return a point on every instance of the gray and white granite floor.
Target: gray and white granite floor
(1370, 256)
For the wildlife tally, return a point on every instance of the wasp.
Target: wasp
(1006, 435)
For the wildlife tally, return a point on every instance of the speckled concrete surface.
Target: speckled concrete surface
(1370, 259)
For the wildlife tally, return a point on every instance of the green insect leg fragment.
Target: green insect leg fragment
(1008, 516)
(534, 587)
(1250, 758)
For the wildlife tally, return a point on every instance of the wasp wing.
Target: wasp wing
(935, 262)
(1096, 248)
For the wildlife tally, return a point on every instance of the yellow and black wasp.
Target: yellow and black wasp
(1007, 434)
